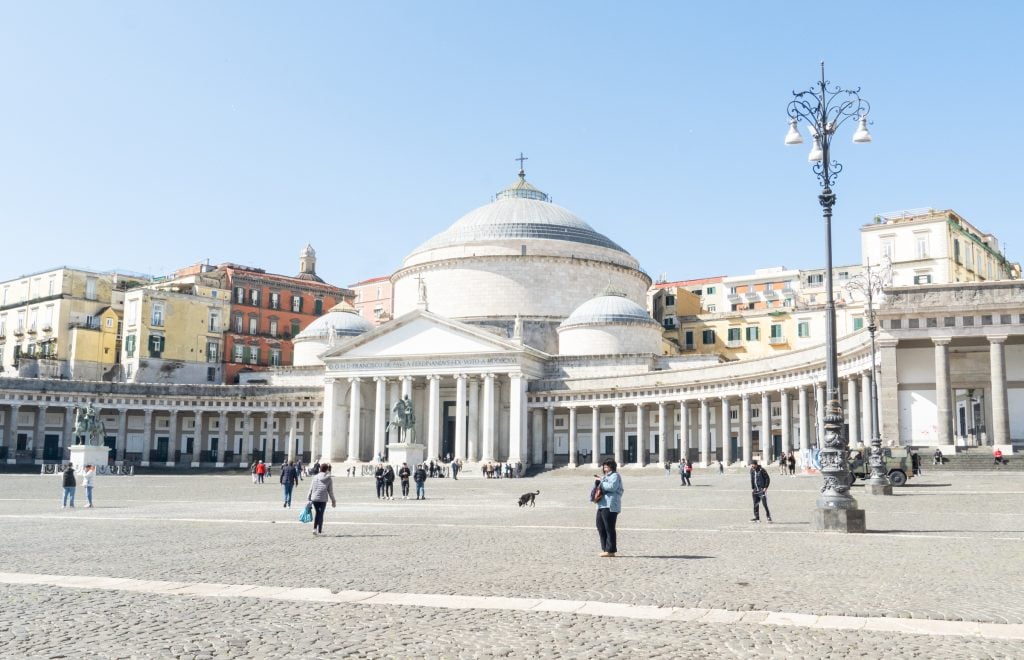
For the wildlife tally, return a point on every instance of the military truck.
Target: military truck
(897, 465)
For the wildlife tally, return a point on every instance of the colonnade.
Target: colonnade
(42, 432)
(627, 431)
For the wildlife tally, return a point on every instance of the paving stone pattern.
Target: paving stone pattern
(947, 548)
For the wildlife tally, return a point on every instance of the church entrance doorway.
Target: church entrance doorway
(448, 430)
(51, 447)
(631, 449)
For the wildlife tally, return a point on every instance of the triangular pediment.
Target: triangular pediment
(420, 334)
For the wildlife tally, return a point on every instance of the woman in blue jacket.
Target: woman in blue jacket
(608, 507)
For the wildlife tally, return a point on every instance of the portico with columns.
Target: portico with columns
(467, 385)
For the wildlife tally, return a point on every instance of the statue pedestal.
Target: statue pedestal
(406, 452)
(82, 455)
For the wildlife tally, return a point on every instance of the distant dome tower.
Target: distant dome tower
(307, 264)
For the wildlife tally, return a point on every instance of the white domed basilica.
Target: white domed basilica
(521, 335)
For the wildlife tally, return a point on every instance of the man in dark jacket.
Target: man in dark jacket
(289, 478)
(759, 482)
(403, 474)
(389, 482)
(69, 486)
(420, 477)
(378, 475)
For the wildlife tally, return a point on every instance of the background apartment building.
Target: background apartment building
(773, 310)
(373, 299)
(63, 323)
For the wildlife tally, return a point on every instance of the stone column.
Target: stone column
(1000, 402)
(173, 443)
(225, 438)
(315, 441)
(293, 432)
(147, 436)
(407, 387)
(487, 451)
(473, 426)
(641, 434)
(888, 391)
(705, 433)
(943, 393)
(380, 415)
(69, 429)
(786, 421)
(39, 436)
(662, 433)
(197, 438)
(549, 438)
(121, 442)
(805, 422)
(394, 394)
(684, 430)
(355, 410)
(572, 436)
(725, 432)
(865, 408)
(617, 438)
(460, 417)
(517, 418)
(746, 429)
(766, 427)
(853, 409)
(434, 417)
(537, 433)
(595, 436)
(819, 407)
(12, 432)
(333, 448)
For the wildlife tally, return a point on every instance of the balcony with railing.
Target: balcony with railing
(733, 343)
(777, 341)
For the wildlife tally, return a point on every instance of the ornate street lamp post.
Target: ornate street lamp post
(825, 108)
(870, 284)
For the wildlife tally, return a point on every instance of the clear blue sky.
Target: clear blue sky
(150, 135)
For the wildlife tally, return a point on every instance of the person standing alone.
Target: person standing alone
(88, 477)
(759, 482)
(420, 477)
(69, 486)
(403, 474)
(608, 507)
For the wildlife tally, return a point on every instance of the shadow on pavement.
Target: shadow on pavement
(665, 557)
(926, 486)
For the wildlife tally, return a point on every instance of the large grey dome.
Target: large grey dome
(521, 211)
(608, 309)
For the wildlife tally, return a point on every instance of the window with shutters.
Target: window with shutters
(129, 345)
(156, 346)
(296, 303)
(708, 337)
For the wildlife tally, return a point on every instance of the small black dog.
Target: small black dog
(528, 498)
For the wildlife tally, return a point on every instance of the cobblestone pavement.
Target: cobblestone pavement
(946, 548)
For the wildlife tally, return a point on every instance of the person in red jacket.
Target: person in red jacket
(261, 471)
(998, 456)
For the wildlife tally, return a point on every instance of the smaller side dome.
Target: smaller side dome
(609, 324)
(339, 323)
(608, 309)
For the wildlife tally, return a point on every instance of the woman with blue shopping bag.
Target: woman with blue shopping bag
(320, 491)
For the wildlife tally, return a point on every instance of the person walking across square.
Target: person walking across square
(320, 490)
(404, 473)
(759, 482)
(289, 479)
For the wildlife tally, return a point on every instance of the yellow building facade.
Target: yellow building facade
(174, 336)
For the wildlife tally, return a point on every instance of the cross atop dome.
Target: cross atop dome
(522, 171)
(522, 188)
